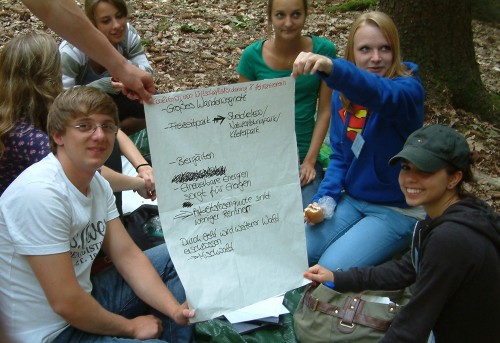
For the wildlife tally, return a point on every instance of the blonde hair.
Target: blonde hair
(388, 28)
(76, 102)
(30, 79)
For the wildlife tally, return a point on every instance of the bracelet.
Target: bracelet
(141, 165)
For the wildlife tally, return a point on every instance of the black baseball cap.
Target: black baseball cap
(434, 147)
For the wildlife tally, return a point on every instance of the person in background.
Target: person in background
(30, 79)
(68, 21)
(454, 259)
(110, 17)
(124, 145)
(273, 58)
(378, 102)
(46, 291)
(30, 72)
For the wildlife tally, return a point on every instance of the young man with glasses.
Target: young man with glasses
(54, 219)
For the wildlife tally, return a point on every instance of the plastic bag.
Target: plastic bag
(218, 331)
(144, 227)
(141, 141)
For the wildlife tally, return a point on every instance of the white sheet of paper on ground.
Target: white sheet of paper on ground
(271, 307)
(376, 299)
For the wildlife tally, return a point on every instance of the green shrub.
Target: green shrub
(352, 5)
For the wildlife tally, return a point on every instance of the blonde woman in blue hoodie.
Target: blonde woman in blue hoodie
(378, 101)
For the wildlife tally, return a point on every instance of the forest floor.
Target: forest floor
(198, 43)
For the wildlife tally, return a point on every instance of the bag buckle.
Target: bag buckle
(350, 326)
(315, 306)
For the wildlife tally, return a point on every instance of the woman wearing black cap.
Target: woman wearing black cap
(455, 256)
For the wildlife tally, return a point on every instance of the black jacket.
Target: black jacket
(454, 264)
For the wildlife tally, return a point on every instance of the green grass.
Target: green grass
(164, 25)
(352, 5)
(145, 42)
(486, 10)
(192, 28)
(241, 22)
(495, 99)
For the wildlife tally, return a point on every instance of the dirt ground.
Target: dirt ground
(198, 43)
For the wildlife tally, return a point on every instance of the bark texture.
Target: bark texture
(437, 35)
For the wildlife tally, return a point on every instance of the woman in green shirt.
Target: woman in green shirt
(273, 58)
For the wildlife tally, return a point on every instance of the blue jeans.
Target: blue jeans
(310, 190)
(359, 234)
(113, 293)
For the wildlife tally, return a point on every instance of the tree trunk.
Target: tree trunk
(437, 35)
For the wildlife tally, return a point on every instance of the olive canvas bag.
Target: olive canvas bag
(325, 315)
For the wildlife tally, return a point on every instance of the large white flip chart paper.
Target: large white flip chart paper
(226, 170)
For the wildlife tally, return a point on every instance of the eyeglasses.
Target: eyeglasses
(90, 129)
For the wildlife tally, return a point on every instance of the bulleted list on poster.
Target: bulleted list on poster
(226, 171)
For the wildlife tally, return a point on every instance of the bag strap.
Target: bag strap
(346, 324)
(349, 315)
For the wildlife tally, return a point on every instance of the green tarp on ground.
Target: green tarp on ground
(219, 331)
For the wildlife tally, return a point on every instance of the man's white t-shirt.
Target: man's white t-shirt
(43, 213)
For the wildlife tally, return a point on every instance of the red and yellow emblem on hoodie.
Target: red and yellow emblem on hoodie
(356, 120)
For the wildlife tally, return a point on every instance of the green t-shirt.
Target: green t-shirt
(253, 67)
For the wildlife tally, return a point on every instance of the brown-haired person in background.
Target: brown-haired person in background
(110, 17)
(68, 20)
(30, 79)
(273, 58)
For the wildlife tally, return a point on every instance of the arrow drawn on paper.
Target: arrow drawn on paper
(183, 215)
(219, 119)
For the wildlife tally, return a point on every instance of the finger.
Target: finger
(298, 64)
(309, 222)
(188, 313)
(145, 96)
(315, 66)
(310, 276)
(312, 176)
(315, 269)
(130, 93)
(152, 194)
(141, 93)
(303, 177)
(295, 69)
(315, 277)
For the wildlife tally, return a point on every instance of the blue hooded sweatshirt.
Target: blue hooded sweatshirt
(386, 112)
